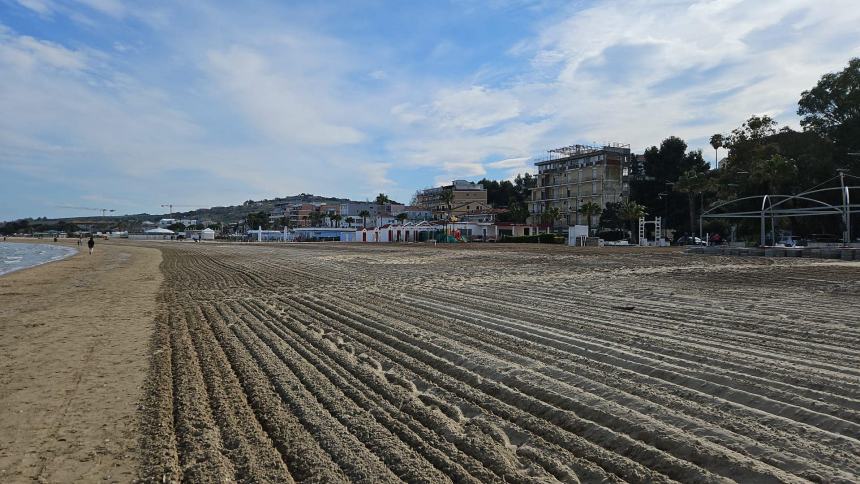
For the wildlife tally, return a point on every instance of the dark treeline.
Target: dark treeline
(509, 195)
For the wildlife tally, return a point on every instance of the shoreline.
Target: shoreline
(76, 333)
(71, 252)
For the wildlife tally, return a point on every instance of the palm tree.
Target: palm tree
(549, 216)
(447, 198)
(717, 142)
(589, 209)
(349, 221)
(316, 218)
(401, 217)
(364, 214)
(632, 211)
(335, 219)
(691, 182)
(382, 199)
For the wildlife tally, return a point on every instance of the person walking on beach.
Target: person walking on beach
(91, 243)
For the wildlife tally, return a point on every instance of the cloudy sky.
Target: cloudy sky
(129, 105)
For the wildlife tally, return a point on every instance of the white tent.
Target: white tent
(207, 234)
(159, 231)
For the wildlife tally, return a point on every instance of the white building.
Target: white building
(154, 234)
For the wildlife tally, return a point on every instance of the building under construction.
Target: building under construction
(572, 176)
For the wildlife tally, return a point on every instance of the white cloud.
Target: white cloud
(640, 71)
(474, 108)
(509, 163)
(42, 7)
(114, 8)
(286, 104)
(26, 53)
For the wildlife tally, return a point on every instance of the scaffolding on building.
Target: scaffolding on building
(574, 150)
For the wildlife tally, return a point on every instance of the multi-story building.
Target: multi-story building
(575, 175)
(377, 213)
(416, 213)
(467, 197)
(353, 209)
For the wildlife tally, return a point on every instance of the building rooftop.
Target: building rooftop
(576, 151)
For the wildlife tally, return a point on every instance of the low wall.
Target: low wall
(849, 253)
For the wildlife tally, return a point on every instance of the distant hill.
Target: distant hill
(236, 213)
(224, 215)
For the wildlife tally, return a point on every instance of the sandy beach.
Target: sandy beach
(500, 363)
(390, 363)
(73, 339)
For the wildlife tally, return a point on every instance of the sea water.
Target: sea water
(16, 256)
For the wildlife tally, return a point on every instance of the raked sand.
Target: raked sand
(73, 356)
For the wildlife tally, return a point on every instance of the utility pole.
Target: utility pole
(846, 215)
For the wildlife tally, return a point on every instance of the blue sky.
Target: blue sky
(130, 105)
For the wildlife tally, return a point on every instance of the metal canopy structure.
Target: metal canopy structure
(776, 206)
(572, 150)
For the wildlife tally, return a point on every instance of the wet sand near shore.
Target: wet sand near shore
(73, 339)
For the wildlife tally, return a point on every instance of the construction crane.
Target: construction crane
(102, 210)
(171, 205)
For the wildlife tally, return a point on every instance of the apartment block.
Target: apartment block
(572, 176)
(467, 197)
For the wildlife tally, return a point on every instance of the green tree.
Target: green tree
(364, 214)
(349, 221)
(692, 182)
(335, 219)
(832, 108)
(176, 227)
(401, 217)
(316, 218)
(666, 163)
(589, 210)
(632, 212)
(258, 219)
(773, 172)
(610, 217)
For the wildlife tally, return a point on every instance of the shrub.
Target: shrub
(534, 239)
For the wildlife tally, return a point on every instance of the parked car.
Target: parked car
(690, 240)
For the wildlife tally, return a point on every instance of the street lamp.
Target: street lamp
(665, 197)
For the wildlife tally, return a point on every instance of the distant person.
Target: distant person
(55, 238)
(79, 242)
(91, 243)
